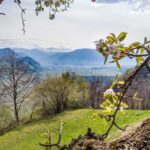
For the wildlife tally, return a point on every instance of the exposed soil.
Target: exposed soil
(137, 140)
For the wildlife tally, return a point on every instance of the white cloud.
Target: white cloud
(137, 5)
(79, 27)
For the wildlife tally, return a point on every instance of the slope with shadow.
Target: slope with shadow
(45, 58)
(33, 65)
(6, 52)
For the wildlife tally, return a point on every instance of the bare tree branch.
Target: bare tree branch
(18, 2)
(57, 144)
(133, 55)
(2, 14)
(1, 1)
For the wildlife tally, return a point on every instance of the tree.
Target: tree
(52, 92)
(97, 86)
(53, 6)
(142, 91)
(78, 93)
(16, 80)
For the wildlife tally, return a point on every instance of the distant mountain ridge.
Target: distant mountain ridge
(78, 57)
(7, 52)
(39, 55)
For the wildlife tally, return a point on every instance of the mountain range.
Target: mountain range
(78, 57)
(83, 61)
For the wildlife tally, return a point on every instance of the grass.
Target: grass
(27, 137)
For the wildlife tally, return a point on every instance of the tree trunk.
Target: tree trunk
(16, 113)
(15, 106)
(58, 106)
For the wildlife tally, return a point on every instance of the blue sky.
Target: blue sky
(84, 23)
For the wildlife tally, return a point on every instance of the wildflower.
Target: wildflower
(121, 108)
(109, 92)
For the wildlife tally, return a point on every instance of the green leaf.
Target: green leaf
(119, 94)
(116, 77)
(121, 48)
(124, 105)
(135, 97)
(118, 65)
(135, 94)
(121, 82)
(108, 109)
(122, 36)
(135, 44)
(142, 50)
(110, 39)
(94, 117)
(113, 85)
(139, 60)
(113, 35)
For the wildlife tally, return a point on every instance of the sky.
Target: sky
(84, 23)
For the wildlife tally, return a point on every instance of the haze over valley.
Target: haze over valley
(83, 61)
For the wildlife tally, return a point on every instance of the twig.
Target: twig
(1, 1)
(134, 55)
(57, 144)
(2, 14)
(22, 15)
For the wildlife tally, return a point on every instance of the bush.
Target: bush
(5, 118)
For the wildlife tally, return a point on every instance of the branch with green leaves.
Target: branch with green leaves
(114, 47)
(54, 7)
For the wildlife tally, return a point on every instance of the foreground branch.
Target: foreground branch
(57, 144)
(125, 87)
(2, 14)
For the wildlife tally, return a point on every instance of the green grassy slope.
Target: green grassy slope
(28, 136)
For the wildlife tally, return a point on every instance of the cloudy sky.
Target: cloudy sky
(84, 23)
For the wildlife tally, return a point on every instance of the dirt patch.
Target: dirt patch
(138, 140)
